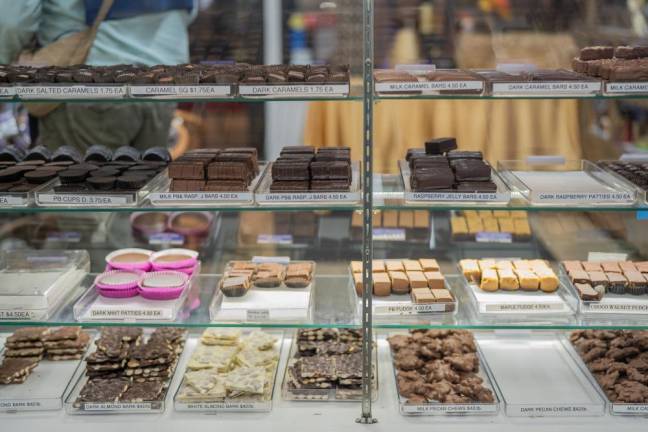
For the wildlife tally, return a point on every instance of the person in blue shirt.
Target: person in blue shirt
(145, 32)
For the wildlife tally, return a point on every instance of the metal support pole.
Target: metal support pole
(367, 237)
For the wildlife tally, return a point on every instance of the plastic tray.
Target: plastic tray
(264, 197)
(623, 409)
(642, 194)
(49, 198)
(536, 377)
(34, 284)
(45, 388)
(240, 405)
(623, 306)
(111, 407)
(502, 305)
(501, 197)
(161, 197)
(442, 409)
(549, 181)
(397, 305)
(92, 307)
(294, 90)
(22, 199)
(281, 304)
(327, 395)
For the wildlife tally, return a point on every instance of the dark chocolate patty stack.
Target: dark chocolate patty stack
(214, 170)
(300, 169)
(623, 63)
(124, 170)
(636, 172)
(442, 168)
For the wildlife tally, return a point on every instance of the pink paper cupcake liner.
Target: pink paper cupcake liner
(118, 283)
(112, 261)
(167, 285)
(186, 259)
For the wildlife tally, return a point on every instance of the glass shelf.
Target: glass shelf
(381, 98)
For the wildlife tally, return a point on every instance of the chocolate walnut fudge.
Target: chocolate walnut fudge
(618, 360)
(438, 366)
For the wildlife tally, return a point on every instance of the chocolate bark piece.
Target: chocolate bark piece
(28, 334)
(226, 186)
(471, 170)
(291, 171)
(348, 366)
(142, 392)
(150, 354)
(440, 146)
(102, 390)
(631, 52)
(597, 53)
(334, 170)
(27, 344)
(178, 185)
(320, 367)
(24, 352)
(13, 370)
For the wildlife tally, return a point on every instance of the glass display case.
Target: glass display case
(417, 213)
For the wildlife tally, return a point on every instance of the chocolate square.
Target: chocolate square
(330, 170)
(291, 171)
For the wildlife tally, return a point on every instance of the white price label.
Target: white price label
(557, 410)
(630, 409)
(124, 313)
(7, 92)
(409, 309)
(449, 408)
(429, 86)
(71, 92)
(620, 308)
(202, 197)
(192, 91)
(223, 406)
(17, 315)
(12, 200)
(271, 259)
(297, 90)
(583, 196)
(627, 87)
(389, 234)
(524, 307)
(604, 256)
(457, 196)
(72, 199)
(279, 197)
(173, 239)
(117, 406)
(280, 239)
(258, 315)
(548, 88)
(493, 237)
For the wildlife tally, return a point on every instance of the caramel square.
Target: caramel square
(417, 279)
(435, 280)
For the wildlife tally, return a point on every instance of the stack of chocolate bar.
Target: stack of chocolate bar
(66, 343)
(623, 63)
(326, 359)
(441, 168)
(300, 168)
(214, 170)
(124, 369)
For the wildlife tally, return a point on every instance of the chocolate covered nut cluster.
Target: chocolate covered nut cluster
(438, 366)
(618, 360)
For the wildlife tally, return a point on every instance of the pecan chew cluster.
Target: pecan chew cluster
(618, 360)
(439, 366)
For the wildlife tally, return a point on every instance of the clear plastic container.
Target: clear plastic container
(35, 284)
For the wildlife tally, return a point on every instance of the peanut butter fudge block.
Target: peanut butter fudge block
(357, 283)
(490, 225)
(381, 285)
(521, 229)
(548, 280)
(412, 265)
(390, 219)
(394, 266)
(470, 269)
(486, 264)
(489, 280)
(442, 296)
(529, 281)
(417, 279)
(356, 266)
(506, 225)
(475, 226)
(421, 219)
(422, 296)
(378, 266)
(642, 266)
(399, 282)
(429, 264)
(297, 277)
(435, 280)
(508, 280)
(406, 219)
(503, 265)
(236, 286)
(459, 227)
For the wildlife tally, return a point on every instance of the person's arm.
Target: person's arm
(19, 22)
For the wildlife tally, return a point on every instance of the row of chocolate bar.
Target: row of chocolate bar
(183, 74)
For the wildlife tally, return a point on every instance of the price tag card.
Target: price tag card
(637, 409)
(21, 314)
(71, 92)
(306, 197)
(255, 315)
(409, 309)
(7, 92)
(13, 200)
(429, 86)
(271, 259)
(46, 199)
(605, 256)
(618, 304)
(193, 198)
(549, 88)
(173, 239)
(494, 237)
(181, 91)
(626, 88)
(432, 409)
(123, 407)
(389, 234)
(224, 406)
(64, 236)
(555, 410)
(274, 239)
(294, 91)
